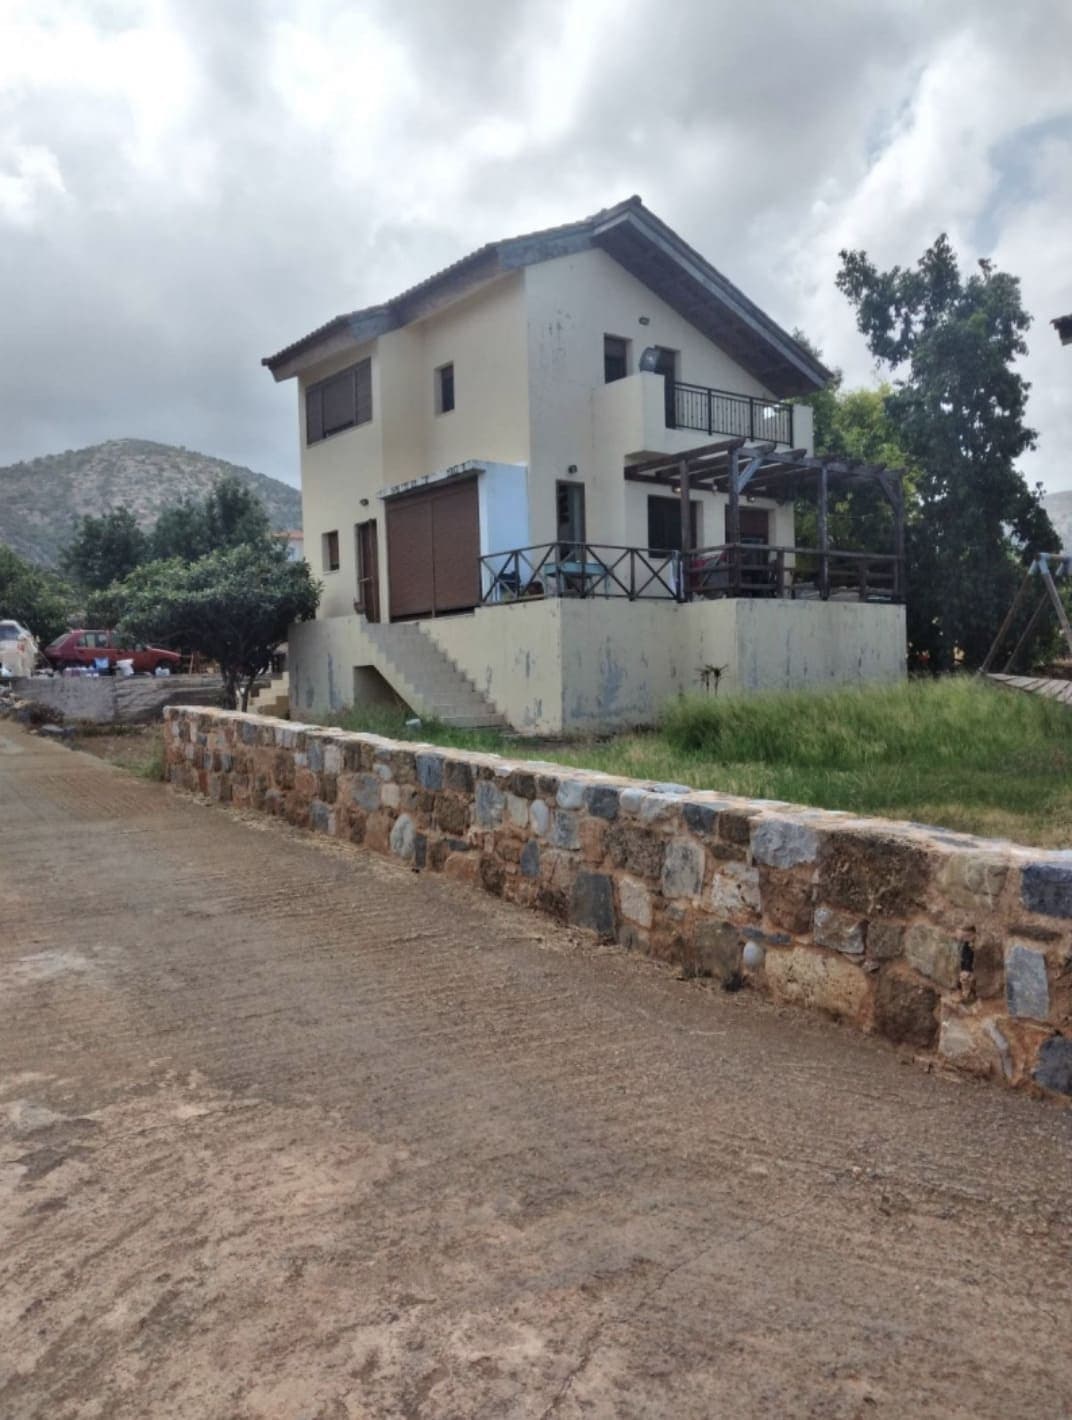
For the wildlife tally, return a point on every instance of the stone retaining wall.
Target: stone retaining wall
(121, 700)
(951, 945)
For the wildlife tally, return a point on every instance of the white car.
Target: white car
(18, 649)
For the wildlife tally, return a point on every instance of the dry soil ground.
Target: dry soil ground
(287, 1131)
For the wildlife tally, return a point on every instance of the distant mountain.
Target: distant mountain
(40, 501)
(1059, 507)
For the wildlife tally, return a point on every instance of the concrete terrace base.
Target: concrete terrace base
(561, 665)
(957, 947)
(119, 700)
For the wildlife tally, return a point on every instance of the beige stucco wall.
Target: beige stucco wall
(572, 302)
(556, 666)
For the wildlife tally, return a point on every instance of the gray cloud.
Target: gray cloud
(186, 186)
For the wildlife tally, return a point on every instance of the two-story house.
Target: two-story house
(554, 485)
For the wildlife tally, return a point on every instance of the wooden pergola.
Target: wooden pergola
(741, 470)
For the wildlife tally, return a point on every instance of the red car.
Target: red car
(85, 648)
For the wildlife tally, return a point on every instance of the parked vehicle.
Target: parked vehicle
(89, 648)
(18, 649)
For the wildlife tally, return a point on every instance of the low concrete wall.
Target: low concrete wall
(560, 665)
(102, 700)
(957, 947)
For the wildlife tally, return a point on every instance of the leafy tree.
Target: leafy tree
(105, 549)
(233, 606)
(229, 516)
(37, 599)
(956, 408)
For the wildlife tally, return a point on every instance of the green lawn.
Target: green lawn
(953, 752)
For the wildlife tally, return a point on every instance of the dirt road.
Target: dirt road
(286, 1131)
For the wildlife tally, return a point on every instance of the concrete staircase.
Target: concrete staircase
(427, 679)
(273, 698)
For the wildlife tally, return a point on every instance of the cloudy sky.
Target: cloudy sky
(187, 185)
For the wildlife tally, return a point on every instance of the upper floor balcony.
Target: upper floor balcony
(647, 414)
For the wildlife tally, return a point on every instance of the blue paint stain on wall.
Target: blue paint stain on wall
(611, 679)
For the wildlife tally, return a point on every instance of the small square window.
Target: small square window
(330, 551)
(615, 358)
(444, 389)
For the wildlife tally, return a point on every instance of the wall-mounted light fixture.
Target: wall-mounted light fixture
(572, 468)
(645, 320)
(364, 502)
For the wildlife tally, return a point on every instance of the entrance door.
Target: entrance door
(569, 516)
(368, 570)
(433, 550)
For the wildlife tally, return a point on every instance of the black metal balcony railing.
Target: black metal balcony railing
(738, 415)
(576, 569)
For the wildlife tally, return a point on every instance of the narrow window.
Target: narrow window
(569, 516)
(444, 389)
(615, 358)
(330, 549)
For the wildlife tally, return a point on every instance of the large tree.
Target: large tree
(230, 515)
(233, 607)
(956, 408)
(105, 549)
(36, 599)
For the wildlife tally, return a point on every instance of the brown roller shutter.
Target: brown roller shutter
(433, 550)
(456, 531)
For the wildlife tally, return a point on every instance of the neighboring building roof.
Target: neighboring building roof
(637, 240)
(1063, 326)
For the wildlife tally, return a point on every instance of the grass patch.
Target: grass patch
(390, 721)
(951, 752)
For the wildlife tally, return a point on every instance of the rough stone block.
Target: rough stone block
(735, 892)
(591, 903)
(683, 868)
(539, 817)
(906, 1008)
(718, 949)
(592, 838)
(366, 792)
(321, 817)
(458, 776)
(973, 881)
(1053, 1068)
(570, 793)
(782, 843)
(700, 818)
(630, 800)
(1027, 991)
(403, 837)
(602, 801)
(490, 803)
(430, 771)
(965, 1043)
(933, 952)
(874, 876)
(391, 796)
(492, 874)
(452, 814)
(530, 859)
(885, 940)
(843, 931)
(565, 829)
(634, 900)
(658, 808)
(1046, 888)
(805, 976)
(635, 849)
(787, 898)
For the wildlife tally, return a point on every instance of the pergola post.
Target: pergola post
(899, 569)
(824, 533)
(686, 530)
(733, 521)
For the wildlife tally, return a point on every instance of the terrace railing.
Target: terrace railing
(739, 415)
(580, 569)
(743, 569)
(761, 570)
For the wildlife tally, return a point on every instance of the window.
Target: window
(664, 524)
(339, 402)
(569, 514)
(330, 550)
(444, 385)
(615, 358)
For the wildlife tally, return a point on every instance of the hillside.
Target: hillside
(1059, 507)
(40, 500)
